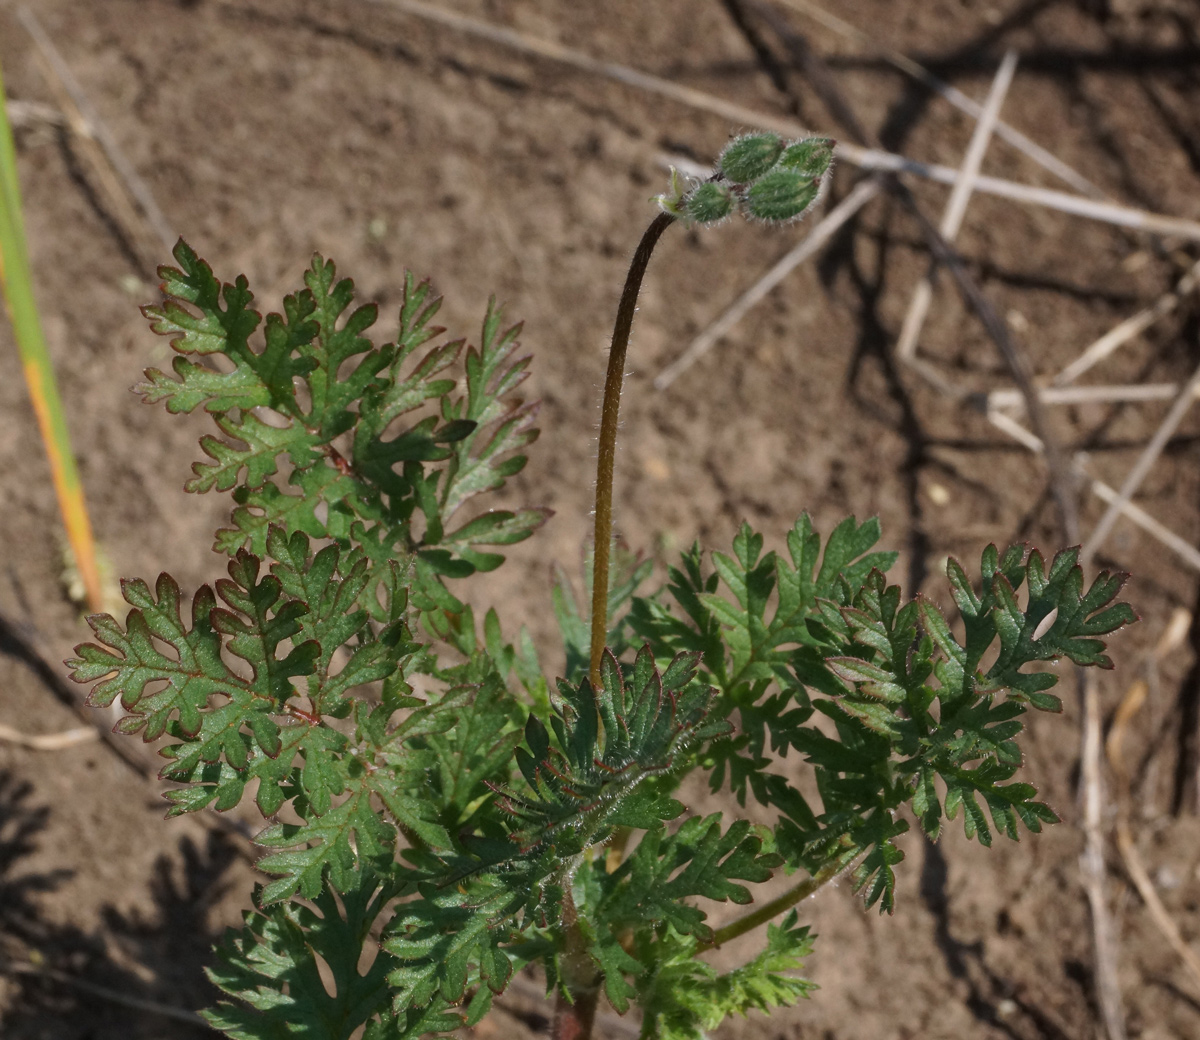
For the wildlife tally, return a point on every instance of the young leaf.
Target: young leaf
(684, 998)
(608, 746)
(654, 884)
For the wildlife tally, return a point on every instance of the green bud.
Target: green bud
(811, 157)
(709, 202)
(749, 157)
(781, 195)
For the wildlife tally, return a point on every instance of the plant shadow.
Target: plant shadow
(122, 980)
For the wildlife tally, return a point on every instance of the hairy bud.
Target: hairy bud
(749, 157)
(709, 202)
(781, 195)
(811, 157)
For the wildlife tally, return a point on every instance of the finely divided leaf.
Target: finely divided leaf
(316, 390)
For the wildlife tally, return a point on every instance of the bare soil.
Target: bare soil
(270, 129)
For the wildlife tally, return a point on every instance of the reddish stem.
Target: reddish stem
(574, 1021)
(610, 412)
(578, 976)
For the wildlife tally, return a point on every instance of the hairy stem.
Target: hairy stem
(609, 414)
(574, 1014)
(776, 906)
(574, 1021)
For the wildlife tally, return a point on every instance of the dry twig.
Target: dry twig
(127, 191)
(1182, 548)
(1066, 395)
(105, 993)
(1061, 484)
(1130, 327)
(867, 158)
(956, 206)
(49, 741)
(1147, 459)
(33, 113)
(953, 95)
(1135, 697)
(1091, 861)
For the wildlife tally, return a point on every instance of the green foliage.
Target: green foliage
(781, 195)
(686, 997)
(658, 878)
(321, 394)
(788, 642)
(811, 157)
(436, 814)
(272, 965)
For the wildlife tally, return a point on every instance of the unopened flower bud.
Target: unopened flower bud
(749, 157)
(811, 157)
(709, 202)
(781, 195)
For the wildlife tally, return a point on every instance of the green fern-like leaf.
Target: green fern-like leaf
(271, 967)
(316, 381)
(593, 777)
(259, 620)
(684, 998)
(450, 940)
(655, 883)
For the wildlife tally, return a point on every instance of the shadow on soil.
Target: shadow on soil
(53, 972)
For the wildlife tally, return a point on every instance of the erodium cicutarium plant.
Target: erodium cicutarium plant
(426, 847)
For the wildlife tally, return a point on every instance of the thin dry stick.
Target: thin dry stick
(1063, 202)
(867, 158)
(1129, 328)
(1135, 697)
(820, 234)
(1018, 367)
(1126, 392)
(33, 113)
(1147, 459)
(1181, 547)
(956, 205)
(824, 83)
(120, 205)
(111, 995)
(92, 127)
(956, 97)
(48, 741)
(930, 373)
(1091, 862)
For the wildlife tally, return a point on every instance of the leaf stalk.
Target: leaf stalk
(776, 906)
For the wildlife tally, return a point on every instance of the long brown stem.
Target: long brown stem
(609, 414)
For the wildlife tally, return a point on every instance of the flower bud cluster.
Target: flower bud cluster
(760, 175)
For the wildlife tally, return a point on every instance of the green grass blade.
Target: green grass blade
(16, 283)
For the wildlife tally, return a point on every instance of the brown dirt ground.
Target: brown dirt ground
(268, 129)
